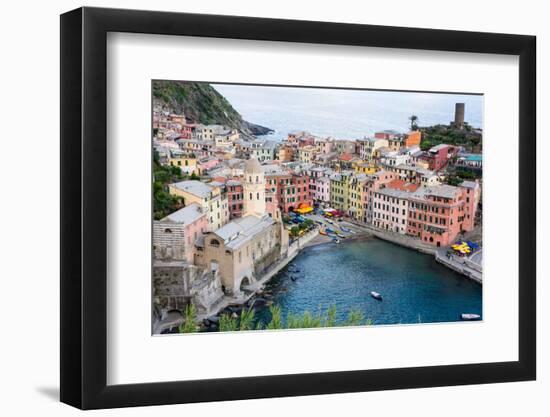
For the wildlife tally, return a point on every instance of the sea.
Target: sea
(415, 288)
(342, 113)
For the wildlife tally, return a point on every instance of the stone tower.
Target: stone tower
(459, 115)
(254, 188)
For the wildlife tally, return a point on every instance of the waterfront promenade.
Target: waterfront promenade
(468, 266)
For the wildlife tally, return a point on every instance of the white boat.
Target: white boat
(470, 316)
(376, 295)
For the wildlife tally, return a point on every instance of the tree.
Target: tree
(453, 180)
(194, 176)
(188, 325)
(308, 223)
(414, 119)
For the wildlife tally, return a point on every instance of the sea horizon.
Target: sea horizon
(344, 113)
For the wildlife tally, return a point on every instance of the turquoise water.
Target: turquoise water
(344, 114)
(415, 288)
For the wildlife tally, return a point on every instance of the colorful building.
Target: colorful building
(235, 198)
(374, 183)
(339, 190)
(368, 147)
(212, 198)
(390, 210)
(290, 190)
(356, 184)
(472, 197)
(306, 154)
(175, 235)
(185, 161)
(438, 156)
(436, 214)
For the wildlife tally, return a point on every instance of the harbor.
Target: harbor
(415, 288)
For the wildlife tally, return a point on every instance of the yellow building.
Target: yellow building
(286, 153)
(365, 167)
(339, 190)
(356, 185)
(306, 154)
(211, 198)
(186, 162)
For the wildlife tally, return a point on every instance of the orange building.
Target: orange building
(413, 139)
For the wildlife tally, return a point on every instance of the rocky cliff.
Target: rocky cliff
(201, 103)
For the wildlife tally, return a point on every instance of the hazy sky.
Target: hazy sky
(345, 113)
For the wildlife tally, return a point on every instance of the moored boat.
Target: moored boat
(376, 295)
(470, 316)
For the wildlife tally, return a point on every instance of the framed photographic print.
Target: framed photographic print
(257, 208)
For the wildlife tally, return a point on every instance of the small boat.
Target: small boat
(336, 240)
(376, 295)
(322, 232)
(470, 316)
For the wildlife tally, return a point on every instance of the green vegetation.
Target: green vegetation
(294, 231)
(459, 175)
(307, 320)
(453, 180)
(163, 202)
(201, 103)
(189, 324)
(435, 135)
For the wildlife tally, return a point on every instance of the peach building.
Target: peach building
(436, 214)
(473, 195)
(374, 183)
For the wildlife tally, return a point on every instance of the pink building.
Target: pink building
(324, 146)
(321, 194)
(386, 134)
(473, 195)
(438, 156)
(174, 236)
(436, 214)
(235, 198)
(204, 164)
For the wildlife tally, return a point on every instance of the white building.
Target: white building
(391, 209)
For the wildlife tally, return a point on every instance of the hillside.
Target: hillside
(201, 103)
(469, 138)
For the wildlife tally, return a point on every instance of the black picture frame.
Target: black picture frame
(84, 207)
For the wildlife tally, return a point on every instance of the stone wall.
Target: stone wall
(267, 260)
(176, 284)
(168, 241)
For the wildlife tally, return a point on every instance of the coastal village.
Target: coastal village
(232, 209)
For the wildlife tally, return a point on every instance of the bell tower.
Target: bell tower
(254, 189)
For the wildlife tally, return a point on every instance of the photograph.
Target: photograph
(289, 207)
